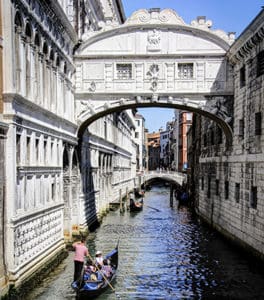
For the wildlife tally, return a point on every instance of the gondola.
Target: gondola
(135, 205)
(139, 194)
(92, 289)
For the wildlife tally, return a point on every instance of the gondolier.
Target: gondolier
(81, 251)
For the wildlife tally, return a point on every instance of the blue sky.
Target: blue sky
(227, 15)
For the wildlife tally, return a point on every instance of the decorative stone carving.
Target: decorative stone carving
(155, 16)
(36, 235)
(86, 106)
(92, 87)
(219, 107)
(202, 22)
(153, 74)
(154, 41)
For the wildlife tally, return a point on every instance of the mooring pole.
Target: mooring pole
(171, 195)
(120, 200)
(127, 198)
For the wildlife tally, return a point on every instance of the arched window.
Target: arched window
(18, 22)
(45, 49)
(58, 61)
(65, 68)
(51, 57)
(28, 32)
(37, 40)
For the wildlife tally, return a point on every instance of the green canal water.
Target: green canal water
(164, 253)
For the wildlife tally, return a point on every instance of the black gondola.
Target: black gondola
(92, 289)
(135, 205)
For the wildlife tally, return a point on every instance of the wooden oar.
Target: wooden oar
(101, 272)
(152, 207)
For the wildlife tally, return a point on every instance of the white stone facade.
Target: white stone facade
(39, 109)
(43, 206)
(140, 142)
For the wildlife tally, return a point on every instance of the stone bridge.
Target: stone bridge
(155, 59)
(170, 176)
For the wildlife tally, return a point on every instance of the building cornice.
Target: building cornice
(251, 37)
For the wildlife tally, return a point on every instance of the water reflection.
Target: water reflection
(166, 253)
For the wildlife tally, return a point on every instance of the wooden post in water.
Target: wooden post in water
(171, 195)
(127, 200)
(120, 200)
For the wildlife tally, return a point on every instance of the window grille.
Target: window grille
(253, 197)
(219, 135)
(124, 71)
(209, 188)
(260, 63)
(241, 128)
(217, 187)
(242, 77)
(212, 137)
(226, 189)
(185, 71)
(237, 192)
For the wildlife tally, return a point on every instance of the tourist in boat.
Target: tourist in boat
(81, 251)
(99, 258)
(106, 268)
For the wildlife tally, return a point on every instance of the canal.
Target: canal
(165, 253)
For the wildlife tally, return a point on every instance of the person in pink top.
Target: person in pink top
(81, 252)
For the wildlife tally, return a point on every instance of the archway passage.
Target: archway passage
(89, 115)
(155, 59)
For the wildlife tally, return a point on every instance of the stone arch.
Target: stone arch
(90, 114)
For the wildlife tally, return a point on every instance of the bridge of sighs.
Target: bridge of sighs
(155, 59)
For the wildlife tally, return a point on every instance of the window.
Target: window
(219, 135)
(209, 187)
(212, 137)
(205, 139)
(241, 128)
(260, 63)
(237, 192)
(18, 145)
(45, 154)
(188, 116)
(124, 71)
(202, 183)
(253, 197)
(226, 189)
(105, 129)
(37, 150)
(53, 191)
(136, 135)
(217, 187)
(28, 150)
(242, 77)
(185, 71)
(258, 120)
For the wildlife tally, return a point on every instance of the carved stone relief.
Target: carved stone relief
(153, 75)
(154, 40)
